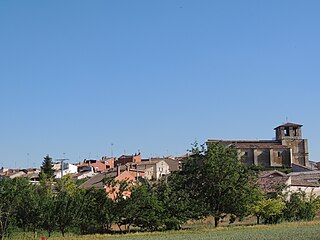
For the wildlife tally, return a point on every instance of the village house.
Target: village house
(173, 162)
(67, 168)
(154, 168)
(286, 149)
(121, 173)
(124, 159)
(99, 165)
(108, 161)
(83, 175)
(308, 182)
(272, 181)
(30, 173)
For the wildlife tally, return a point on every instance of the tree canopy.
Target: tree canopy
(47, 171)
(218, 182)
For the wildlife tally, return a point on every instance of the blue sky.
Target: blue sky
(76, 76)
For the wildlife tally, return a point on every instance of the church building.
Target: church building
(288, 148)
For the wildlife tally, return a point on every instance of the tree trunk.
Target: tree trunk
(119, 226)
(216, 221)
(258, 219)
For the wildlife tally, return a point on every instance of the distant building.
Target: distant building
(120, 173)
(67, 168)
(124, 159)
(173, 162)
(30, 173)
(271, 181)
(308, 182)
(154, 169)
(108, 161)
(288, 148)
(100, 165)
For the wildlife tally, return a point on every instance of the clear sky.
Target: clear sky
(149, 75)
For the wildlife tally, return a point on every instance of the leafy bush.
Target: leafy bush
(301, 207)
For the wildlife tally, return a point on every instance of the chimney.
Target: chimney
(118, 170)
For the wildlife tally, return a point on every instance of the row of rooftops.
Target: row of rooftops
(107, 165)
(268, 179)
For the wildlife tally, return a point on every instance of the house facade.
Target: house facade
(307, 182)
(124, 159)
(67, 168)
(286, 149)
(154, 169)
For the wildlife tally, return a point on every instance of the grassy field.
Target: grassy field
(285, 231)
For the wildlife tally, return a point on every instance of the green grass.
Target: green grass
(285, 231)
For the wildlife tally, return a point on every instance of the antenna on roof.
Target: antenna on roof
(112, 149)
(61, 160)
(286, 119)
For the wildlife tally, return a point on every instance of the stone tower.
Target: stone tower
(290, 134)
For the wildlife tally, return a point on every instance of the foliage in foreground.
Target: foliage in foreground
(218, 182)
(213, 182)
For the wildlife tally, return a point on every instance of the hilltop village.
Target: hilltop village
(283, 160)
(270, 180)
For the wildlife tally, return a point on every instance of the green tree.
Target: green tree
(47, 171)
(65, 203)
(143, 209)
(218, 181)
(94, 211)
(177, 203)
(270, 210)
(117, 189)
(301, 207)
(47, 207)
(66, 184)
(107, 211)
(64, 215)
(28, 208)
(10, 197)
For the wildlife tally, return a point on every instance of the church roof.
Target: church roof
(289, 124)
(262, 144)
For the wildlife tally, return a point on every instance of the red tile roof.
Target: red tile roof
(288, 124)
(268, 180)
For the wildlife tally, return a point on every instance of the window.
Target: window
(286, 131)
(279, 154)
